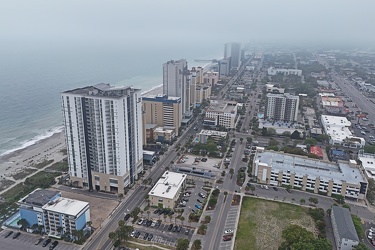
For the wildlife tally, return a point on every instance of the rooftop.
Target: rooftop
(213, 132)
(338, 172)
(344, 222)
(39, 197)
(368, 163)
(168, 185)
(102, 90)
(337, 127)
(221, 106)
(66, 206)
(161, 98)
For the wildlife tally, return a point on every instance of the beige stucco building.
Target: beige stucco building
(164, 111)
(166, 191)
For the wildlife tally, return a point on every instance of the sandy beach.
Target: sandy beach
(47, 149)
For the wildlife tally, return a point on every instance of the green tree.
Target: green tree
(361, 246)
(182, 218)
(182, 244)
(197, 245)
(311, 141)
(231, 172)
(23, 223)
(302, 201)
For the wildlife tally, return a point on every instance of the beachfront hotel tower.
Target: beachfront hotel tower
(176, 83)
(103, 135)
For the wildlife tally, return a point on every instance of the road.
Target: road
(135, 197)
(218, 218)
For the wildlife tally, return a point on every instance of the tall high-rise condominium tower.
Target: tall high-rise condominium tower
(232, 51)
(282, 107)
(103, 134)
(176, 82)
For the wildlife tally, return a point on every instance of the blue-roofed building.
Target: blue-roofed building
(54, 214)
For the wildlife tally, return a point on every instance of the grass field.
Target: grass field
(262, 222)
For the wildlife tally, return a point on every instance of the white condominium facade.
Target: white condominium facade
(282, 107)
(103, 134)
(176, 82)
(272, 71)
(221, 114)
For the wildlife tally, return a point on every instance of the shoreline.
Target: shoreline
(46, 149)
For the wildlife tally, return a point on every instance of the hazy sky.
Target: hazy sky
(190, 21)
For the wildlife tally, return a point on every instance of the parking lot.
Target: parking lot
(27, 241)
(230, 224)
(162, 234)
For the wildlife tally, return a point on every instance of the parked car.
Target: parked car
(133, 233)
(202, 195)
(187, 231)
(174, 229)
(157, 211)
(170, 227)
(227, 238)
(145, 236)
(275, 188)
(199, 201)
(198, 206)
(149, 223)
(179, 228)
(8, 234)
(46, 242)
(16, 235)
(137, 234)
(228, 231)
(194, 211)
(140, 221)
(150, 236)
(54, 244)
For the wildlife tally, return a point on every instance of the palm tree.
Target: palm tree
(231, 172)
(165, 217)
(302, 201)
(182, 218)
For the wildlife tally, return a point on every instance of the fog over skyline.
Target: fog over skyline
(144, 22)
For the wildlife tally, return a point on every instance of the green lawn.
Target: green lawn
(261, 223)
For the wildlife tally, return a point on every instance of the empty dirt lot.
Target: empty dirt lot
(99, 208)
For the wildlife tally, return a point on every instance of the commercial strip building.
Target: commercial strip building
(213, 134)
(272, 71)
(166, 191)
(282, 107)
(345, 234)
(316, 176)
(337, 128)
(103, 135)
(368, 163)
(55, 214)
(221, 114)
(165, 111)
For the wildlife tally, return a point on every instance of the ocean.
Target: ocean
(31, 80)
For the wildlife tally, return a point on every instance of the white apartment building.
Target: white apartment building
(103, 135)
(272, 71)
(176, 82)
(337, 127)
(346, 237)
(221, 114)
(307, 174)
(282, 107)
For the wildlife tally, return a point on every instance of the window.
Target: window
(113, 181)
(97, 178)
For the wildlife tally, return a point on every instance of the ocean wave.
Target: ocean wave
(42, 136)
(153, 88)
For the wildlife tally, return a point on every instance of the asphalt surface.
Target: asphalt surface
(100, 238)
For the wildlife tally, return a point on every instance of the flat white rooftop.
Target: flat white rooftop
(338, 172)
(66, 206)
(337, 127)
(168, 185)
(368, 163)
(213, 132)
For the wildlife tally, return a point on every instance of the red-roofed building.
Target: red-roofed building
(316, 151)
